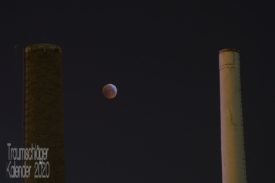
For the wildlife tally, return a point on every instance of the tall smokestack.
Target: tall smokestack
(232, 139)
(43, 109)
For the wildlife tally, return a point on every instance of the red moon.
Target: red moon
(109, 91)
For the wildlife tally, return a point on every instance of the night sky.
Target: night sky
(164, 125)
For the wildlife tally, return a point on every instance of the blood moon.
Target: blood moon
(109, 91)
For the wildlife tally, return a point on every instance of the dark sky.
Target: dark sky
(164, 125)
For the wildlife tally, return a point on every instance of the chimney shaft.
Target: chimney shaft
(43, 109)
(232, 139)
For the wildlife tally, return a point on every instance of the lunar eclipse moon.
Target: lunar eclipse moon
(109, 91)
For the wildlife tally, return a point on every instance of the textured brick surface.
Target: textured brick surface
(44, 115)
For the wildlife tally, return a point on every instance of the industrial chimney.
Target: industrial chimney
(232, 139)
(44, 110)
